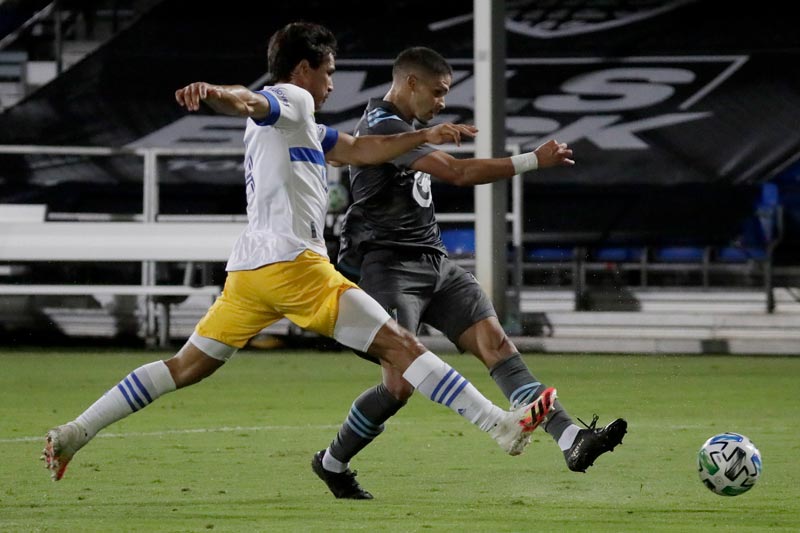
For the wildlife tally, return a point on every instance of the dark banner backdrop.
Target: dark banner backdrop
(674, 109)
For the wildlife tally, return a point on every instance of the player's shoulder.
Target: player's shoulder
(289, 93)
(383, 118)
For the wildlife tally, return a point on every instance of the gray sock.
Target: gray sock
(364, 422)
(520, 387)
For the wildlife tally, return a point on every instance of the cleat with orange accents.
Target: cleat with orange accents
(61, 444)
(513, 434)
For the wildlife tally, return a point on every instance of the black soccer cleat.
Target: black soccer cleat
(591, 443)
(342, 485)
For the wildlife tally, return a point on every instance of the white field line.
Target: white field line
(230, 429)
(223, 429)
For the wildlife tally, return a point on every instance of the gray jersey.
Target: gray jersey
(392, 205)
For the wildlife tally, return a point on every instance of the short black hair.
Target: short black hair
(421, 58)
(295, 42)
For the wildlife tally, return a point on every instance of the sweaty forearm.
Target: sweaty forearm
(236, 100)
(376, 149)
(482, 171)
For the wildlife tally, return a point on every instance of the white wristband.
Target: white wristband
(524, 162)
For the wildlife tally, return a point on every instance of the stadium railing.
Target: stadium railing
(147, 242)
(27, 236)
(576, 257)
(154, 238)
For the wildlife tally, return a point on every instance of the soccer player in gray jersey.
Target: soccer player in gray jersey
(391, 242)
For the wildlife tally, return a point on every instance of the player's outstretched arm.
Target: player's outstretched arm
(376, 149)
(234, 100)
(473, 171)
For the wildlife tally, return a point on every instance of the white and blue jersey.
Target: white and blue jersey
(286, 181)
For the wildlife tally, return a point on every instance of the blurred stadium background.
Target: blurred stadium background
(678, 231)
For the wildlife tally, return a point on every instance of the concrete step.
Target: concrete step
(593, 345)
(719, 322)
(675, 320)
(787, 301)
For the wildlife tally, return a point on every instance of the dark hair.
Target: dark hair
(295, 42)
(422, 58)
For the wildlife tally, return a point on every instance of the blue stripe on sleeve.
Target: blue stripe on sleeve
(456, 379)
(353, 425)
(442, 382)
(524, 393)
(299, 153)
(141, 387)
(456, 393)
(379, 115)
(133, 392)
(361, 425)
(274, 110)
(127, 398)
(363, 419)
(330, 139)
(362, 430)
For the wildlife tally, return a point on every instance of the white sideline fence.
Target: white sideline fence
(29, 233)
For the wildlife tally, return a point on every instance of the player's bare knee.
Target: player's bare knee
(409, 341)
(190, 366)
(400, 392)
(397, 386)
(396, 346)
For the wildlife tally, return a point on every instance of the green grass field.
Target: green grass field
(232, 453)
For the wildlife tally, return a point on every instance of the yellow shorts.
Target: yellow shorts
(306, 291)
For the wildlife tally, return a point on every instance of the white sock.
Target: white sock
(139, 388)
(568, 437)
(441, 383)
(332, 464)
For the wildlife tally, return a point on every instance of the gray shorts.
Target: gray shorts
(418, 287)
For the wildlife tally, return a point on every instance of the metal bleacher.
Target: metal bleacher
(572, 310)
(716, 297)
(41, 39)
(749, 254)
(655, 320)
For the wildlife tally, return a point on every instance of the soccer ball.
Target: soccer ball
(338, 197)
(729, 464)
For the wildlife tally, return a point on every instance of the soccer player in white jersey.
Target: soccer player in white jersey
(279, 265)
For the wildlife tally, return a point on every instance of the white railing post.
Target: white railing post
(150, 185)
(149, 214)
(513, 323)
(491, 232)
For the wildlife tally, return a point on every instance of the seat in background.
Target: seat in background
(460, 242)
(760, 234)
